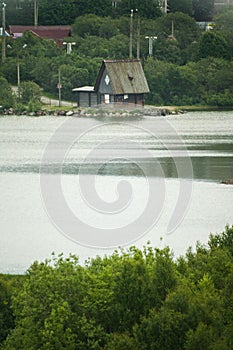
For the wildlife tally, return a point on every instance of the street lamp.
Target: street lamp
(138, 35)
(151, 39)
(68, 47)
(35, 13)
(18, 70)
(59, 86)
(3, 31)
(131, 35)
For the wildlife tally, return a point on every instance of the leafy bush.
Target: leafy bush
(135, 299)
(29, 91)
(34, 106)
(7, 98)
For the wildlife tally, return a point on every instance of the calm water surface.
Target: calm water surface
(139, 147)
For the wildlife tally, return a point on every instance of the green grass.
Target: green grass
(205, 108)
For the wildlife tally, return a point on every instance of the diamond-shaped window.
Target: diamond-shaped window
(107, 80)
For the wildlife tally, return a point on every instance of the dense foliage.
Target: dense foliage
(206, 82)
(134, 299)
(53, 12)
(7, 98)
(187, 66)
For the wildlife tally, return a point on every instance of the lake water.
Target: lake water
(84, 186)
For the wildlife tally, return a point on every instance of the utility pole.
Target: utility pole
(3, 31)
(163, 5)
(35, 13)
(59, 86)
(18, 70)
(138, 36)
(131, 36)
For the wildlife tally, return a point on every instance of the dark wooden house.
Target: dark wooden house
(118, 82)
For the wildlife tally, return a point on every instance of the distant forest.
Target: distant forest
(54, 12)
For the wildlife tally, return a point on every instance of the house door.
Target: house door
(106, 98)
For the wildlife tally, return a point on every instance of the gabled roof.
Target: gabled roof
(57, 33)
(126, 76)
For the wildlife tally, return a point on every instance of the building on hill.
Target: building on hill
(56, 33)
(223, 3)
(118, 82)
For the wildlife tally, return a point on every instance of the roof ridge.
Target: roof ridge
(123, 60)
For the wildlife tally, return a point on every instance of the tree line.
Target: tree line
(53, 12)
(135, 299)
(187, 66)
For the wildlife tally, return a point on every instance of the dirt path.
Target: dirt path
(50, 101)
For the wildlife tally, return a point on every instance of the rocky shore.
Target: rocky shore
(227, 182)
(97, 112)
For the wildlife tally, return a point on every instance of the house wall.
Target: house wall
(86, 99)
(105, 86)
(132, 99)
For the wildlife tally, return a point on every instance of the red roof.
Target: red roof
(57, 33)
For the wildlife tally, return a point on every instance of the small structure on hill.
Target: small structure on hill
(56, 33)
(118, 82)
(223, 3)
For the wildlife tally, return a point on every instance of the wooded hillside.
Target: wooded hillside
(134, 299)
(187, 65)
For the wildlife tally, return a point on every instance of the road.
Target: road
(50, 101)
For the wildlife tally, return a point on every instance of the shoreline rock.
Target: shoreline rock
(110, 112)
(227, 182)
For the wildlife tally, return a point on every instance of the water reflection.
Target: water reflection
(204, 168)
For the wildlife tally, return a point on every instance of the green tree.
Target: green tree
(19, 12)
(29, 91)
(156, 74)
(167, 49)
(7, 98)
(133, 299)
(223, 25)
(119, 47)
(185, 6)
(146, 8)
(93, 46)
(186, 31)
(223, 240)
(71, 77)
(132, 278)
(87, 25)
(203, 10)
(6, 315)
(213, 44)
(44, 308)
(160, 330)
(57, 13)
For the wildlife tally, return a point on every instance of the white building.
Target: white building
(221, 3)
